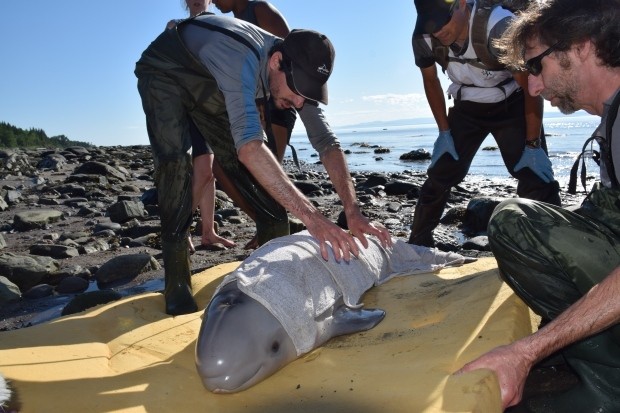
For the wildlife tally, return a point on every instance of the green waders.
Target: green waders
(173, 85)
(551, 257)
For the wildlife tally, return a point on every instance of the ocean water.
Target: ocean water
(565, 138)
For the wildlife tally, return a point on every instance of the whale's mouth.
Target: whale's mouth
(220, 389)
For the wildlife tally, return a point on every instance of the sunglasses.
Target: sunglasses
(534, 65)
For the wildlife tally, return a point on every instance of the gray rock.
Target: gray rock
(2, 242)
(52, 236)
(454, 215)
(307, 187)
(72, 285)
(52, 161)
(8, 291)
(36, 219)
(90, 299)
(478, 214)
(100, 226)
(106, 233)
(13, 197)
(398, 187)
(146, 240)
(87, 179)
(97, 245)
(54, 250)
(39, 291)
(71, 189)
(392, 223)
(74, 235)
(77, 150)
(26, 271)
(394, 207)
(124, 211)
(138, 229)
(149, 197)
(71, 271)
(100, 168)
(479, 243)
(124, 268)
(416, 155)
(374, 180)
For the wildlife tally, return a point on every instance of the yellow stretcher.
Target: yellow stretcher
(129, 356)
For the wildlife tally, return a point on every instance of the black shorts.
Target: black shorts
(199, 144)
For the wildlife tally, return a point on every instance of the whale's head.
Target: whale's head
(240, 342)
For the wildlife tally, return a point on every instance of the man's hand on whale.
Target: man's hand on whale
(264, 167)
(344, 243)
(359, 226)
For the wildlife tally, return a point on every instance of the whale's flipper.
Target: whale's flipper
(348, 320)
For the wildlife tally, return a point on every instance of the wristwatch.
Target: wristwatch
(534, 143)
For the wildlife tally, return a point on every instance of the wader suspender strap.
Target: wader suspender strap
(479, 41)
(605, 156)
(479, 38)
(271, 143)
(227, 32)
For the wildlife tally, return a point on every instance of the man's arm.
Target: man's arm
(265, 168)
(435, 96)
(533, 108)
(596, 311)
(334, 161)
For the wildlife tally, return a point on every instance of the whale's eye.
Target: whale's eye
(275, 347)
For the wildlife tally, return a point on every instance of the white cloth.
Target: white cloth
(290, 278)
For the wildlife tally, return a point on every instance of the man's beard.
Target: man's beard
(564, 89)
(567, 105)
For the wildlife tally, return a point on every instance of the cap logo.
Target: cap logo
(323, 70)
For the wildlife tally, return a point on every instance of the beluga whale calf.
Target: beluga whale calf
(285, 300)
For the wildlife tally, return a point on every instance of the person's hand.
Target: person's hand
(537, 160)
(324, 231)
(359, 225)
(443, 144)
(511, 368)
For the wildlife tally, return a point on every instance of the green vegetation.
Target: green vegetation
(14, 137)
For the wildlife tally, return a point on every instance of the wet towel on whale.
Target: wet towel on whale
(290, 278)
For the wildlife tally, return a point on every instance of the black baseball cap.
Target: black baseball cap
(307, 63)
(432, 15)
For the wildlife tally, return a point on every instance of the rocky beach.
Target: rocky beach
(80, 226)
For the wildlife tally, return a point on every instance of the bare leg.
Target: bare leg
(231, 190)
(203, 191)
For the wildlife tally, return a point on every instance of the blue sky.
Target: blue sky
(67, 66)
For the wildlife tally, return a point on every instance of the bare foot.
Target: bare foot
(252, 244)
(216, 239)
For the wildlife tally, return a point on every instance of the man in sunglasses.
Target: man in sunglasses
(565, 264)
(212, 69)
(488, 99)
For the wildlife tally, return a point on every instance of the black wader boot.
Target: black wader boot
(596, 361)
(427, 214)
(178, 291)
(173, 180)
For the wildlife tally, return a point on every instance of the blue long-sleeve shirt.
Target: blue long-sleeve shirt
(238, 62)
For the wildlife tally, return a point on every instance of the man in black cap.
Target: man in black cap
(211, 69)
(487, 99)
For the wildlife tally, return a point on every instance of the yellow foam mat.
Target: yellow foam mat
(129, 356)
